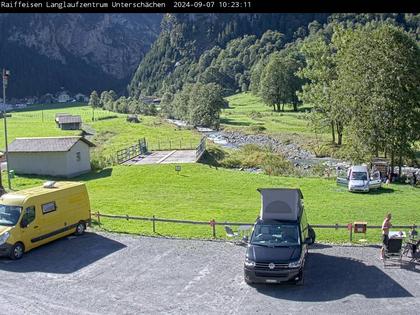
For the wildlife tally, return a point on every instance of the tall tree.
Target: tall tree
(166, 104)
(279, 82)
(94, 102)
(205, 104)
(378, 80)
(321, 72)
(106, 99)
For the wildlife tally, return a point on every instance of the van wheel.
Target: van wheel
(311, 234)
(248, 281)
(17, 251)
(301, 280)
(80, 228)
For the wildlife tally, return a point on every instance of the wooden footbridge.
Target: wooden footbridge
(167, 153)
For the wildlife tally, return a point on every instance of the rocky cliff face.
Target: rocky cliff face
(79, 52)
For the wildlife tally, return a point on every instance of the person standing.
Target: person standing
(386, 225)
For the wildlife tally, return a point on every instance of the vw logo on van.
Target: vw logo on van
(271, 266)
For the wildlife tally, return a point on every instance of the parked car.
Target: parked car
(359, 179)
(278, 246)
(33, 217)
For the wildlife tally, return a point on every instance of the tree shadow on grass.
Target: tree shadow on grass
(84, 177)
(106, 172)
(233, 122)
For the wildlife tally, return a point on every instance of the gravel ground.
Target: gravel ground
(119, 274)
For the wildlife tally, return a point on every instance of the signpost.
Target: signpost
(6, 74)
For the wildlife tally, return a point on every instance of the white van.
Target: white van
(359, 179)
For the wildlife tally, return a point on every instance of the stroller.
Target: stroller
(393, 252)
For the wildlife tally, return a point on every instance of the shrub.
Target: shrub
(231, 162)
(277, 165)
(257, 128)
(213, 155)
(255, 115)
(99, 162)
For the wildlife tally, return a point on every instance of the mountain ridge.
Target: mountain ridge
(78, 52)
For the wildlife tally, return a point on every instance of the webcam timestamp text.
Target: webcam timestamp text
(213, 4)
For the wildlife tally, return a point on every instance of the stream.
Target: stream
(234, 140)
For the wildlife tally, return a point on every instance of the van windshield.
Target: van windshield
(276, 235)
(359, 175)
(9, 215)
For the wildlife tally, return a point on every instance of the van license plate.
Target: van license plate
(271, 281)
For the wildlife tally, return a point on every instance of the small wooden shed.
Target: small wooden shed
(54, 156)
(68, 122)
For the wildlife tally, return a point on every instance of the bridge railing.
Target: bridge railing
(201, 148)
(132, 151)
(143, 146)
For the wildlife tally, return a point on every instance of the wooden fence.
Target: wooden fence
(213, 223)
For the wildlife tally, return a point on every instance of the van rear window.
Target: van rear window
(48, 207)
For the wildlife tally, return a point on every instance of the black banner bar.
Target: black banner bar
(204, 6)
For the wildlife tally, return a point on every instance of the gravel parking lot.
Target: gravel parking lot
(119, 274)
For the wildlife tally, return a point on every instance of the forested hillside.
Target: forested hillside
(185, 37)
(222, 48)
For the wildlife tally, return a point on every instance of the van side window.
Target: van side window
(29, 215)
(48, 207)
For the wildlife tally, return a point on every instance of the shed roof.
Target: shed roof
(68, 119)
(46, 144)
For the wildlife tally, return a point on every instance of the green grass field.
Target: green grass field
(200, 192)
(247, 110)
(203, 193)
(110, 135)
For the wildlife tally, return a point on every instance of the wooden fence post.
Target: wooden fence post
(350, 227)
(98, 217)
(213, 226)
(154, 224)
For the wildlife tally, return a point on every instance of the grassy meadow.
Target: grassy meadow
(247, 112)
(111, 132)
(200, 192)
(203, 193)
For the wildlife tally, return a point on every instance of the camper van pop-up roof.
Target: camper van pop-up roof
(280, 204)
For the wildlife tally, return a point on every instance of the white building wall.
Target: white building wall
(52, 163)
(42, 163)
(75, 166)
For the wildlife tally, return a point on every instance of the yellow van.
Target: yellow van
(32, 217)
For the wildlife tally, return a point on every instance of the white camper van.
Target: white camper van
(359, 179)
